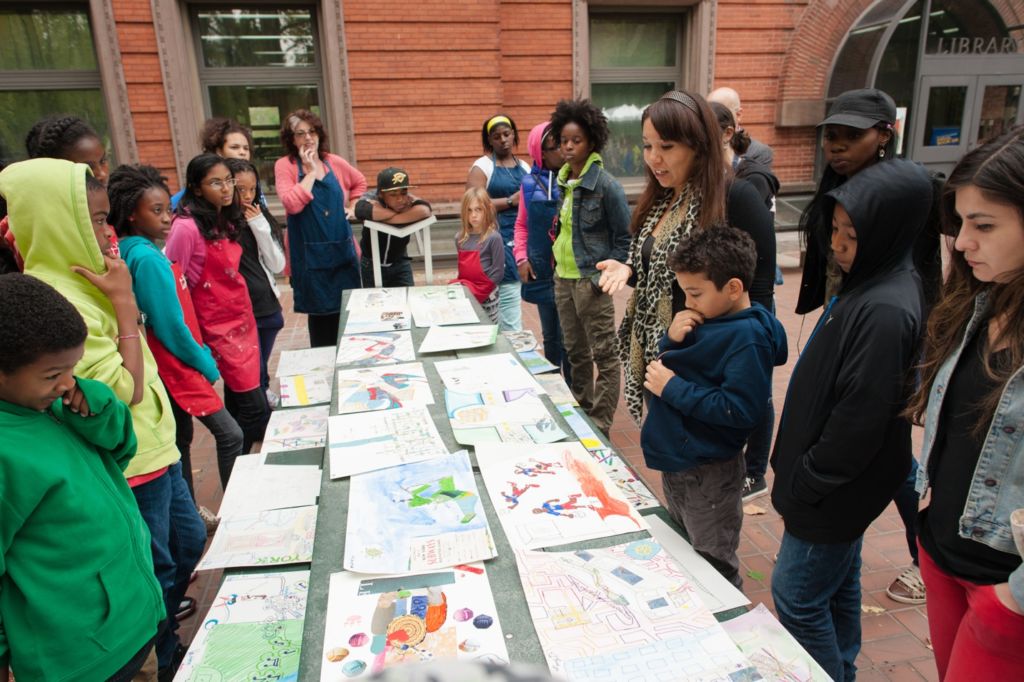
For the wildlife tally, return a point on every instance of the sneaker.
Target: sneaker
(754, 486)
(210, 520)
(908, 588)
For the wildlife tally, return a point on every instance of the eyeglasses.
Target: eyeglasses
(218, 185)
(304, 133)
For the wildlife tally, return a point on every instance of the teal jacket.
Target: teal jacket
(78, 597)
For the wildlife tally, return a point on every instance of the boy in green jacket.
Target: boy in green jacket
(78, 597)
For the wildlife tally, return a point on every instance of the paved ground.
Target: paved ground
(895, 638)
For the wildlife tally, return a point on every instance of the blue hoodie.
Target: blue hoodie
(722, 382)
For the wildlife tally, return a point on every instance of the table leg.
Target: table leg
(428, 264)
(375, 251)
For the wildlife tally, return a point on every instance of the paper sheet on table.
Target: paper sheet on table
(416, 517)
(361, 321)
(498, 372)
(501, 417)
(367, 389)
(417, 296)
(268, 538)
(438, 312)
(375, 348)
(306, 361)
(374, 440)
(521, 340)
(296, 429)
(771, 649)
(305, 389)
(374, 623)
(255, 486)
(390, 298)
(557, 389)
(715, 591)
(439, 339)
(591, 441)
(629, 482)
(535, 362)
(253, 630)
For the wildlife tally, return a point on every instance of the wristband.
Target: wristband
(509, 201)
(122, 337)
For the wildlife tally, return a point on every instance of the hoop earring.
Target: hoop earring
(881, 153)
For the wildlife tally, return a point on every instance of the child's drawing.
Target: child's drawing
(382, 388)
(536, 362)
(626, 478)
(547, 495)
(374, 623)
(252, 631)
(375, 440)
(516, 416)
(494, 373)
(439, 339)
(435, 312)
(296, 429)
(379, 348)
(772, 650)
(425, 295)
(305, 389)
(376, 299)
(267, 538)
(557, 389)
(586, 434)
(624, 613)
(521, 340)
(306, 361)
(363, 321)
(416, 517)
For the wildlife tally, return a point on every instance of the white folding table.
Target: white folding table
(420, 230)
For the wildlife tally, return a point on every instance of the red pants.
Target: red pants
(974, 635)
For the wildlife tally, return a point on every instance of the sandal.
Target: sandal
(908, 588)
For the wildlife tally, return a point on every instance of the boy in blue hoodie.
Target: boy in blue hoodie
(708, 390)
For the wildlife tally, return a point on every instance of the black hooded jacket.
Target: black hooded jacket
(842, 449)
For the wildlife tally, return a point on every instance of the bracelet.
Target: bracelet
(509, 200)
(122, 337)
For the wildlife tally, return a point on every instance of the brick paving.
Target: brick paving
(895, 639)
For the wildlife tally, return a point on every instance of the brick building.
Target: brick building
(412, 86)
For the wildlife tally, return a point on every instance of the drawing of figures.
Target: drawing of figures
(556, 508)
(537, 467)
(513, 497)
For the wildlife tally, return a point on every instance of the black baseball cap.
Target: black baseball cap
(861, 109)
(391, 179)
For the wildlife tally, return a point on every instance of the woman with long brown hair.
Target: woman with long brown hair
(971, 402)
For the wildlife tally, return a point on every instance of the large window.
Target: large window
(634, 59)
(47, 66)
(255, 65)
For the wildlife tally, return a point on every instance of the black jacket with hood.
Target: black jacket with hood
(843, 449)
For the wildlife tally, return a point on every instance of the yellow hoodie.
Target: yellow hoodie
(49, 216)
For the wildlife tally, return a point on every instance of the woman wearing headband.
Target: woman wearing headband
(501, 174)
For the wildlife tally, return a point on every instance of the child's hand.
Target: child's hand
(683, 323)
(614, 275)
(115, 283)
(526, 272)
(75, 401)
(656, 377)
(252, 211)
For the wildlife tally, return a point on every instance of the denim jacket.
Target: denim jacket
(600, 220)
(998, 485)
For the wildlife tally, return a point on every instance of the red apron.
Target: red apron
(472, 274)
(186, 384)
(225, 317)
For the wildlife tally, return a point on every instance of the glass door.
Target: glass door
(997, 107)
(941, 135)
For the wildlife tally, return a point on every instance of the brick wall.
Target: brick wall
(137, 38)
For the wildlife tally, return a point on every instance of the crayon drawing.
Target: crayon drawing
(625, 613)
(306, 361)
(547, 495)
(425, 295)
(557, 389)
(516, 416)
(296, 429)
(437, 312)
(581, 427)
(376, 299)
(416, 517)
(382, 388)
(301, 390)
(521, 340)
(626, 478)
(498, 372)
(375, 440)
(378, 348)
(363, 321)
(772, 650)
(267, 538)
(253, 629)
(536, 362)
(439, 339)
(374, 623)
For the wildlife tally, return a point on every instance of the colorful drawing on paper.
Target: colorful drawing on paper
(625, 613)
(362, 321)
(516, 416)
(377, 299)
(626, 478)
(498, 372)
(378, 348)
(374, 440)
(306, 361)
(301, 390)
(268, 538)
(382, 388)
(535, 362)
(571, 498)
(439, 311)
(557, 389)
(521, 340)
(586, 434)
(296, 429)
(253, 630)
(256, 486)
(439, 339)
(436, 292)
(771, 649)
(416, 517)
(374, 623)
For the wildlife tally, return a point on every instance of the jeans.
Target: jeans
(816, 588)
(759, 444)
(323, 329)
(510, 307)
(226, 434)
(906, 500)
(251, 411)
(398, 274)
(551, 331)
(267, 327)
(177, 540)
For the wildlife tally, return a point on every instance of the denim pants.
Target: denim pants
(816, 588)
(398, 274)
(510, 307)
(267, 327)
(551, 331)
(252, 412)
(226, 434)
(177, 540)
(906, 500)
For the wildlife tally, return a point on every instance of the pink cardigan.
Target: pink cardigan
(294, 196)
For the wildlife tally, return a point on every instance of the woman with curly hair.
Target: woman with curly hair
(228, 139)
(592, 227)
(318, 190)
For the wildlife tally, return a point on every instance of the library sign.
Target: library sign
(974, 46)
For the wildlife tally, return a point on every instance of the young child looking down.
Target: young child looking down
(78, 598)
(481, 252)
(709, 388)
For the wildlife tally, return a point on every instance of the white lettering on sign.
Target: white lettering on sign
(976, 46)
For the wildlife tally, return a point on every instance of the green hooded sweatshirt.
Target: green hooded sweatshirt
(49, 216)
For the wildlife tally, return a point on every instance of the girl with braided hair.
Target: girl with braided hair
(71, 138)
